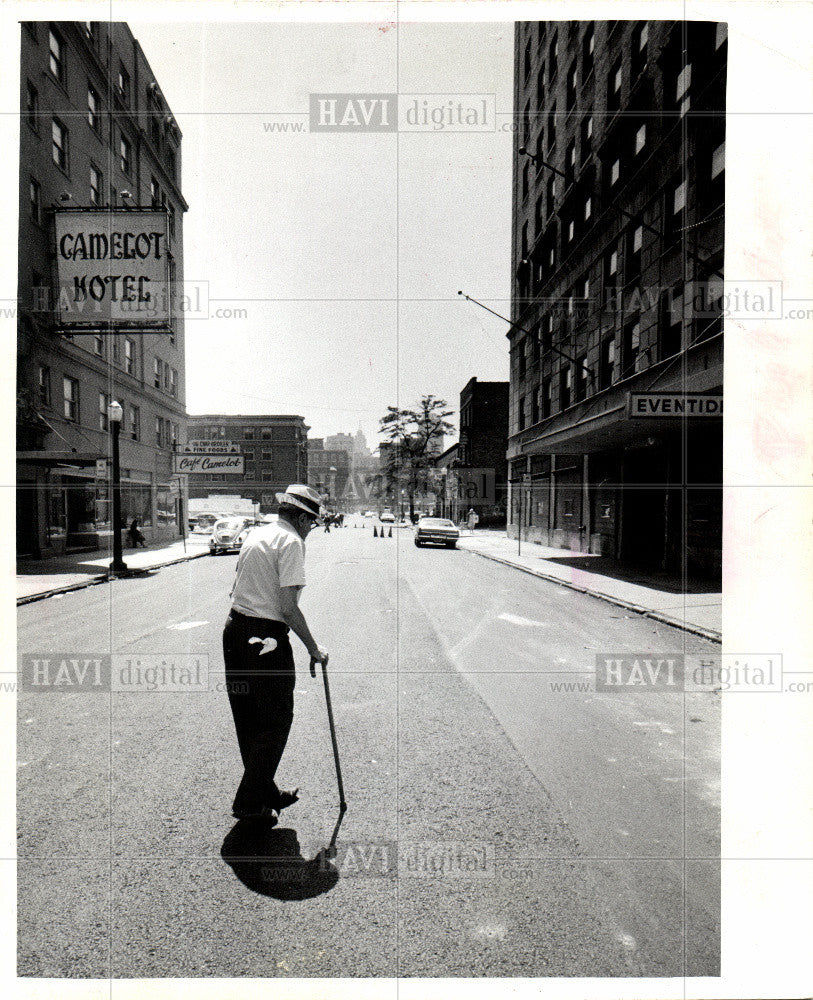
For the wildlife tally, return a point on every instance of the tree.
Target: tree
(410, 445)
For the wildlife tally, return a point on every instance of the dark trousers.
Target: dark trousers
(261, 694)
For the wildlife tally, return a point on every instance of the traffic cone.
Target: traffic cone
(375, 532)
(390, 534)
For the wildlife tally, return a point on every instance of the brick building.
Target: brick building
(95, 133)
(617, 336)
(274, 450)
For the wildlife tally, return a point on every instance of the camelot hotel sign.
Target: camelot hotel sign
(673, 404)
(113, 270)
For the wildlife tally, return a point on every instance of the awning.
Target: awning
(59, 459)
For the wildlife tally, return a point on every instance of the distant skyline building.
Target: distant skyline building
(616, 347)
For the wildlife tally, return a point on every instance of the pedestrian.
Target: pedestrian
(260, 672)
(136, 536)
(472, 519)
(328, 518)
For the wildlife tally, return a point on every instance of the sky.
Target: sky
(339, 255)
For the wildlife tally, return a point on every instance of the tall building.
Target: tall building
(481, 449)
(329, 468)
(615, 437)
(96, 134)
(274, 450)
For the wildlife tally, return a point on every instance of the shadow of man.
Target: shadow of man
(268, 861)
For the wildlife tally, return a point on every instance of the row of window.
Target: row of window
(575, 381)
(122, 352)
(166, 431)
(577, 219)
(215, 431)
(57, 66)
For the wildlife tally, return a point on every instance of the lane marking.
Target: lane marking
(183, 626)
(519, 620)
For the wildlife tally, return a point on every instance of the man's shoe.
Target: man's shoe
(266, 813)
(285, 799)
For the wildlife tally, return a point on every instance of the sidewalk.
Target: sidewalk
(696, 609)
(39, 578)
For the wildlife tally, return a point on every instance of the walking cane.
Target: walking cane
(330, 851)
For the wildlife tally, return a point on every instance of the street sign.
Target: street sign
(193, 464)
(216, 447)
(101, 467)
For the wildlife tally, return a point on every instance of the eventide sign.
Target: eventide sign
(113, 270)
(674, 404)
(207, 463)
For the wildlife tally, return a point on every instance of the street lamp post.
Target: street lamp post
(115, 413)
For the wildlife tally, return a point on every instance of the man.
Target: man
(260, 673)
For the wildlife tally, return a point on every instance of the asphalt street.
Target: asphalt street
(505, 819)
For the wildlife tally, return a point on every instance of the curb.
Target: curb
(704, 633)
(100, 578)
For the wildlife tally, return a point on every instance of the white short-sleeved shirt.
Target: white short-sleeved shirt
(272, 557)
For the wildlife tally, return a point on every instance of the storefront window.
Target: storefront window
(136, 501)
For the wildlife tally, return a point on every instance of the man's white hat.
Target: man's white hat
(302, 496)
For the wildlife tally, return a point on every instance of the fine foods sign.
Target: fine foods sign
(113, 270)
(207, 463)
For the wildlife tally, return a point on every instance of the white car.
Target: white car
(386, 516)
(229, 533)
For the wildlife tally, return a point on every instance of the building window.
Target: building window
(586, 137)
(104, 419)
(248, 433)
(170, 163)
(526, 60)
(565, 387)
(536, 399)
(157, 371)
(248, 456)
(134, 422)
(588, 51)
(607, 369)
(553, 58)
(614, 87)
(676, 210)
(173, 381)
(521, 358)
(129, 356)
(32, 106)
(95, 186)
(56, 56)
(588, 208)
(98, 346)
(44, 385)
(521, 413)
(125, 155)
(640, 139)
(35, 199)
(167, 378)
(171, 210)
(632, 345)
(155, 193)
(123, 89)
(546, 334)
(94, 108)
(571, 87)
(540, 87)
(682, 88)
(570, 163)
(671, 322)
(173, 432)
(59, 144)
(70, 396)
(550, 196)
(547, 397)
(635, 243)
(640, 37)
(159, 431)
(581, 378)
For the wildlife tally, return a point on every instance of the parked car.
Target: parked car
(229, 533)
(369, 513)
(203, 522)
(436, 531)
(386, 516)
